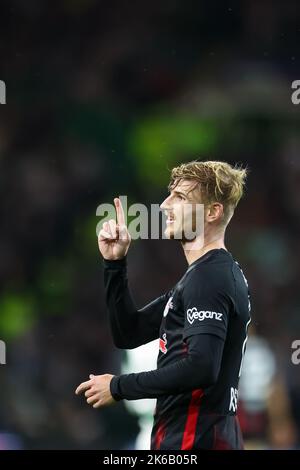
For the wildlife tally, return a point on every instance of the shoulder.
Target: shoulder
(214, 270)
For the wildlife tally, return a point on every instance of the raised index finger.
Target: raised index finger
(120, 211)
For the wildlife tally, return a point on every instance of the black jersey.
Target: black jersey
(202, 328)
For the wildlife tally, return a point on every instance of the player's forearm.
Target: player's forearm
(177, 378)
(199, 370)
(130, 327)
(122, 311)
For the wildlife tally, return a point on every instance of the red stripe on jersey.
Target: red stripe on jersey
(159, 435)
(191, 421)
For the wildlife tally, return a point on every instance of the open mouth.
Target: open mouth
(170, 219)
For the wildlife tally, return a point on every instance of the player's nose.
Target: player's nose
(165, 205)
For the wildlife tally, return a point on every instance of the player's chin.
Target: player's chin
(169, 232)
(172, 234)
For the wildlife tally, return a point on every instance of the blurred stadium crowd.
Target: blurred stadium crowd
(103, 98)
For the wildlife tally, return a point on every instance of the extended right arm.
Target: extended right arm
(130, 327)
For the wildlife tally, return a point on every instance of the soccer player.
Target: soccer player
(201, 322)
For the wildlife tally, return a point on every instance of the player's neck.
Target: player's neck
(192, 253)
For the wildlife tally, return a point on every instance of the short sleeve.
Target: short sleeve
(207, 301)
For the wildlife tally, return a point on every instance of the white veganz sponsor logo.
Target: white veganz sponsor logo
(193, 314)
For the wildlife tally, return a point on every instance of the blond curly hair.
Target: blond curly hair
(218, 182)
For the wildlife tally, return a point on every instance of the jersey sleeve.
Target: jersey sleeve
(207, 302)
(199, 369)
(130, 327)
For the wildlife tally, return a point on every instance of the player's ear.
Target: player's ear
(214, 212)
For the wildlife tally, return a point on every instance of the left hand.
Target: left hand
(97, 390)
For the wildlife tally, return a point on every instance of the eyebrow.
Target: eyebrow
(180, 192)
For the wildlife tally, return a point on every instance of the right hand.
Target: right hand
(114, 238)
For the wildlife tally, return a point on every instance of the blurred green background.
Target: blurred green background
(102, 100)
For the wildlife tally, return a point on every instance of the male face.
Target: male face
(183, 209)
